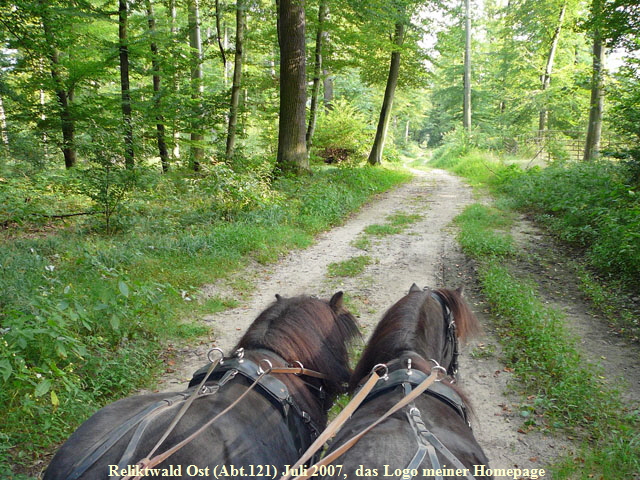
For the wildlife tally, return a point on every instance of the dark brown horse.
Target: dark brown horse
(269, 427)
(418, 333)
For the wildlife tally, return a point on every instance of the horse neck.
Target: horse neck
(304, 393)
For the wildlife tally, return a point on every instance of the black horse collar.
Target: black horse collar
(413, 377)
(303, 429)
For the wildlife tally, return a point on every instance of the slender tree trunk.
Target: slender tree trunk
(292, 148)
(323, 12)
(64, 97)
(4, 131)
(124, 84)
(328, 89)
(237, 79)
(466, 110)
(546, 77)
(223, 48)
(594, 130)
(157, 88)
(175, 135)
(375, 156)
(197, 87)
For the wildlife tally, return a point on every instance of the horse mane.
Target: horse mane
(467, 324)
(305, 329)
(402, 329)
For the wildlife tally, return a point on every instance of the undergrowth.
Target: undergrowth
(83, 314)
(562, 389)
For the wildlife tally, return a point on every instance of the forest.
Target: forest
(148, 147)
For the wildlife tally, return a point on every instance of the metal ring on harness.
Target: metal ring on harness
(263, 371)
(439, 368)
(300, 365)
(381, 366)
(215, 349)
(239, 354)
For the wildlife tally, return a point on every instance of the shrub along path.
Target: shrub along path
(403, 237)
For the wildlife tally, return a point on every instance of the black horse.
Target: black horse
(270, 426)
(417, 334)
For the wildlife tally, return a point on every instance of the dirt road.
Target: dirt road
(425, 253)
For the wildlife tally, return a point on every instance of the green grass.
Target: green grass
(563, 391)
(349, 268)
(381, 230)
(84, 314)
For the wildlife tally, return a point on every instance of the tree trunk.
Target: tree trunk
(237, 79)
(292, 147)
(375, 156)
(466, 110)
(64, 97)
(124, 84)
(594, 129)
(197, 87)
(175, 135)
(546, 77)
(328, 89)
(157, 80)
(323, 12)
(4, 132)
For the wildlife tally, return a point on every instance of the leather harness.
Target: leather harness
(299, 422)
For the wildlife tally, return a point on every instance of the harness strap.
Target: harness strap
(152, 462)
(422, 446)
(353, 440)
(426, 443)
(115, 435)
(336, 424)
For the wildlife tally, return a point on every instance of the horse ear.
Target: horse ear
(278, 297)
(336, 301)
(414, 288)
(460, 291)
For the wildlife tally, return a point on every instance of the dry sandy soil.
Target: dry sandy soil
(425, 253)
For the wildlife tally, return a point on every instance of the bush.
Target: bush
(592, 205)
(342, 134)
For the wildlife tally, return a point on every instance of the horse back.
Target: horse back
(251, 435)
(388, 449)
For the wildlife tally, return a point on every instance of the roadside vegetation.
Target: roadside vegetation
(585, 205)
(85, 310)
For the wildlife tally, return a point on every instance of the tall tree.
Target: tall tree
(466, 109)
(123, 46)
(197, 85)
(323, 12)
(594, 127)
(237, 78)
(63, 93)
(375, 156)
(292, 147)
(546, 76)
(157, 90)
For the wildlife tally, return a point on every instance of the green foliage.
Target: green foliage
(342, 134)
(563, 390)
(593, 205)
(83, 316)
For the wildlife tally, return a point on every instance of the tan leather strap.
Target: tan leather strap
(337, 422)
(416, 392)
(299, 371)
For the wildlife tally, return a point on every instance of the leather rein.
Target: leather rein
(225, 369)
(414, 383)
